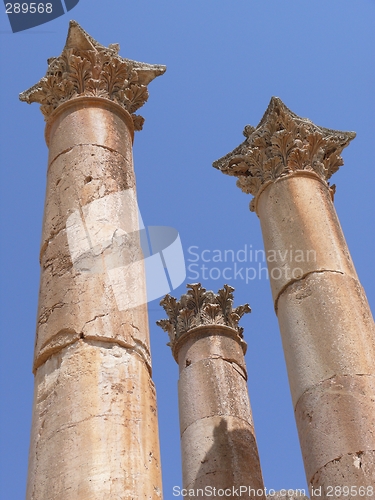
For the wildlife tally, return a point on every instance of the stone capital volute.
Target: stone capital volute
(283, 144)
(87, 69)
(201, 308)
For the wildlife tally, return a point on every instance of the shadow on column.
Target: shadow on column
(231, 461)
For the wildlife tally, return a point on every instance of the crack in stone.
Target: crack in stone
(53, 235)
(336, 375)
(68, 150)
(296, 280)
(109, 414)
(95, 318)
(221, 415)
(233, 362)
(43, 318)
(238, 368)
(138, 348)
(357, 455)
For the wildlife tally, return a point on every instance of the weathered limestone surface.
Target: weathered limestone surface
(218, 443)
(94, 431)
(358, 466)
(330, 409)
(87, 173)
(325, 321)
(330, 330)
(211, 398)
(300, 224)
(90, 438)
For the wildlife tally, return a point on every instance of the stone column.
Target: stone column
(287, 495)
(218, 443)
(325, 320)
(94, 430)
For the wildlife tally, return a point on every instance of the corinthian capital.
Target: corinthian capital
(282, 144)
(87, 69)
(199, 307)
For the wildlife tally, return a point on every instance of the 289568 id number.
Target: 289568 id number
(352, 491)
(24, 8)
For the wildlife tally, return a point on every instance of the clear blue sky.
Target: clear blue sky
(225, 60)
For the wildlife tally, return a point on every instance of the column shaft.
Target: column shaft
(94, 429)
(218, 445)
(325, 321)
(94, 426)
(327, 331)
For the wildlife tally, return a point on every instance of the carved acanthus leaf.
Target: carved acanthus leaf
(283, 143)
(241, 310)
(225, 299)
(211, 314)
(195, 297)
(186, 320)
(200, 307)
(85, 68)
(172, 307)
(167, 326)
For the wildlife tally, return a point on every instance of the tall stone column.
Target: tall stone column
(94, 428)
(325, 321)
(219, 449)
